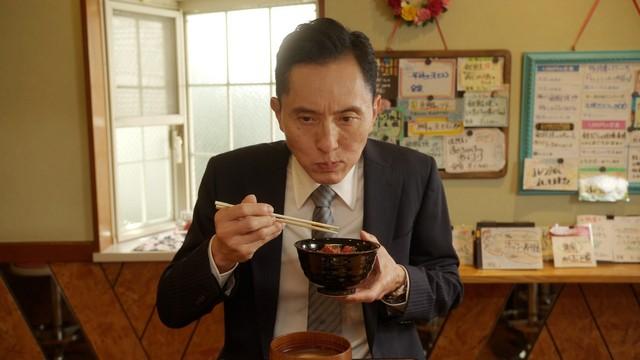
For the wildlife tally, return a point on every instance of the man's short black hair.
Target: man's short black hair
(321, 41)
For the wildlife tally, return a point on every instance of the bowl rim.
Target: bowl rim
(298, 245)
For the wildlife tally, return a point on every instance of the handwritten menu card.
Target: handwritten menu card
(572, 246)
(510, 248)
(580, 106)
(453, 106)
(463, 243)
(615, 239)
(475, 150)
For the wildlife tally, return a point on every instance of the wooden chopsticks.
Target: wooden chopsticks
(314, 225)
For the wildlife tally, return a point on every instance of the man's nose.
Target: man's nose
(327, 137)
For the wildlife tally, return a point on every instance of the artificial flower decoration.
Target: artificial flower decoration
(418, 12)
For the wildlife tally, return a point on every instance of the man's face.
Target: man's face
(326, 117)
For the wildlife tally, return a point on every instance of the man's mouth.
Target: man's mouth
(328, 166)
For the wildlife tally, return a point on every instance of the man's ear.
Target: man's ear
(377, 105)
(277, 110)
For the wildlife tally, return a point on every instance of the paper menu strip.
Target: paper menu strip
(427, 77)
(480, 73)
(550, 174)
(511, 248)
(475, 150)
(485, 109)
(572, 246)
(463, 244)
(615, 239)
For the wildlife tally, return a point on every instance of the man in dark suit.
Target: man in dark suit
(326, 106)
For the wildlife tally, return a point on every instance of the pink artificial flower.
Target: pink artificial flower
(423, 15)
(445, 3)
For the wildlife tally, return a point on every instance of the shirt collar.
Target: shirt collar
(304, 185)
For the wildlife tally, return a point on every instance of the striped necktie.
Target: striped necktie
(325, 313)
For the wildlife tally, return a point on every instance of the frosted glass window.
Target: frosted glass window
(249, 46)
(125, 51)
(159, 102)
(129, 196)
(156, 142)
(207, 48)
(231, 60)
(144, 65)
(128, 144)
(284, 20)
(250, 114)
(157, 186)
(126, 103)
(209, 119)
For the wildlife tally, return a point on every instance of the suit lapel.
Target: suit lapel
(265, 264)
(381, 199)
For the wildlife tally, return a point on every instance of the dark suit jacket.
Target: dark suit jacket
(404, 207)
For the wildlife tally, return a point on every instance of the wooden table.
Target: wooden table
(603, 273)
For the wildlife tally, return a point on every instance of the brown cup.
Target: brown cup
(310, 345)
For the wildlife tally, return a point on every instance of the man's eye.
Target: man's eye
(349, 119)
(305, 119)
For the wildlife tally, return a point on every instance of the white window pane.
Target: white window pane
(251, 114)
(128, 144)
(284, 20)
(249, 46)
(125, 50)
(156, 142)
(207, 48)
(157, 51)
(209, 119)
(160, 101)
(126, 102)
(199, 165)
(129, 196)
(158, 185)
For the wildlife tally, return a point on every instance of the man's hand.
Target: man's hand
(241, 230)
(385, 277)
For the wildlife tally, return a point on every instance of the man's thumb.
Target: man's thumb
(250, 199)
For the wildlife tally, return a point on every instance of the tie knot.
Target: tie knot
(323, 196)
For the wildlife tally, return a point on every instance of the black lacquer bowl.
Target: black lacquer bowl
(336, 273)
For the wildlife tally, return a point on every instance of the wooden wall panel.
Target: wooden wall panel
(161, 342)
(573, 329)
(16, 339)
(98, 310)
(136, 288)
(636, 288)
(544, 349)
(617, 313)
(112, 271)
(469, 326)
(208, 338)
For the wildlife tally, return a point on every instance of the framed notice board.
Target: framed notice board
(579, 118)
(452, 105)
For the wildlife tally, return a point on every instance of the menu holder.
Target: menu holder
(508, 245)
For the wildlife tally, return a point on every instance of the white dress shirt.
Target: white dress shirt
(347, 209)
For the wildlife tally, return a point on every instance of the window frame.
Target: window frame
(98, 112)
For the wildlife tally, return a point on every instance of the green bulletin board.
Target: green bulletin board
(579, 117)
